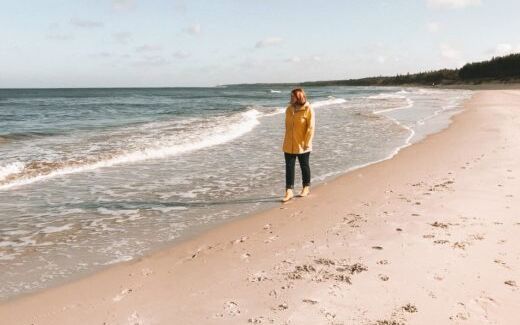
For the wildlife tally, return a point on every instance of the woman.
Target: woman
(297, 143)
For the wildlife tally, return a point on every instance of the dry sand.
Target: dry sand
(431, 236)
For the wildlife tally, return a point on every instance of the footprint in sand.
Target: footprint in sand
(439, 225)
(122, 294)
(510, 283)
(258, 277)
(134, 319)
(260, 320)
(461, 245)
(241, 240)
(310, 301)
(500, 262)
(271, 239)
(231, 308)
(477, 237)
(478, 308)
(410, 308)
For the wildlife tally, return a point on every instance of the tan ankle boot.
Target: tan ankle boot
(305, 191)
(288, 195)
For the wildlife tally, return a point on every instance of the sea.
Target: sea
(93, 177)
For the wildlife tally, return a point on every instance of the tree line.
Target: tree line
(499, 69)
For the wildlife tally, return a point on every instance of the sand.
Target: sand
(430, 236)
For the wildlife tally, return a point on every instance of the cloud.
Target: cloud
(86, 23)
(59, 36)
(452, 4)
(151, 61)
(123, 5)
(148, 48)
(433, 27)
(180, 6)
(294, 59)
(101, 55)
(449, 53)
(316, 58)
(505, 49)
(381, 59)
(193, 29)
(181, 55)
(270, 41)
(122, 37)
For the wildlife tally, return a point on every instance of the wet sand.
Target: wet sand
(430, 236)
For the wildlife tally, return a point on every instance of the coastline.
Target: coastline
(350, 223)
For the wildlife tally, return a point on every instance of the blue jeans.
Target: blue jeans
(290, 161)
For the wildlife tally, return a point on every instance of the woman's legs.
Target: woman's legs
(303, 159)
(290, 161)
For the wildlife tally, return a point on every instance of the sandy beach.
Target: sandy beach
(427, 237)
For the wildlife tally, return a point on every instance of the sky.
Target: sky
(160, 43)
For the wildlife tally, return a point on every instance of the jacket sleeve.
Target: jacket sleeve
(310, 127)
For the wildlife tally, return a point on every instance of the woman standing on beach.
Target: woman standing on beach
(297, 143)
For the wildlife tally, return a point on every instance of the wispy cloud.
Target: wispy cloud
(101, 55)
(449, 53)
(85, 23)
(59, 36)
(151, 61)
(181, 55)
(180, 6)
(193, 29)
(148, 48)
(452, 56)
(433, 27)
(122, 37)
(294, 59)
(505, 49)
(381, 59)
(270, 41)
(453, 4)
(123, 5)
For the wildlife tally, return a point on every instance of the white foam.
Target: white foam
(52, 229)
(320, 103)
(276, 111)
(11, 168)
(396, 95)
(409, 104)
(221, 133)
(327, 102)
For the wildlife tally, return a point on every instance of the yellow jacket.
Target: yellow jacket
(299, 129)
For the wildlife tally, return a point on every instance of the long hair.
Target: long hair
(299, 95)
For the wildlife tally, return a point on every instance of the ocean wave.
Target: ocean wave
(25, 135)
(217, 130)
(10, 169)
(327, 102)
(280, 110)
(409, 104)
(396, 95)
